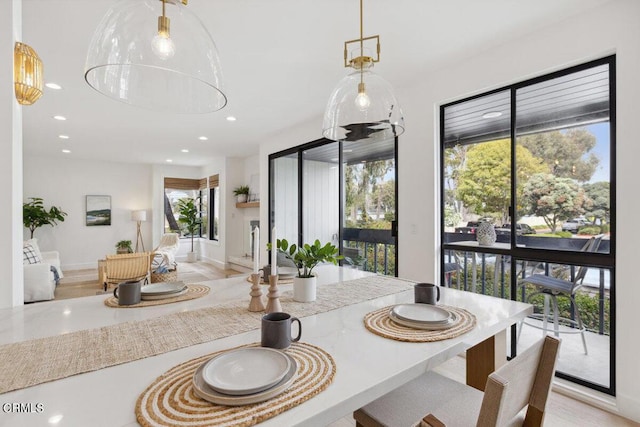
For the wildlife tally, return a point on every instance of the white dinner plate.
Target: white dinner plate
(246, 370)
(162, 288)
(423, 313)
(202, 390)
(163, 296)
(422, 325)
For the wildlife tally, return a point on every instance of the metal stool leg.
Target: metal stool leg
(579, 321)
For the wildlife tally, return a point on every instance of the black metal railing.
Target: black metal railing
(370, 250)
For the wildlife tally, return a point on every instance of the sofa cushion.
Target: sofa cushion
(30, 254)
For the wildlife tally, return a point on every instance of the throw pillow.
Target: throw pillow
(30, 255)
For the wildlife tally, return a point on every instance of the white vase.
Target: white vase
(304, 289)
(486, 234)
(192, 256)
(241, 198)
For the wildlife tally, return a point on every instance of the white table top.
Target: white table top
(368, 365)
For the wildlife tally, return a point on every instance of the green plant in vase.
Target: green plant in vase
(124, 247)
(241, 193)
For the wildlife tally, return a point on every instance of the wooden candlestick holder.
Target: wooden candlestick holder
(273, 301)
(256, 303)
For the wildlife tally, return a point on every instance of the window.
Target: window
(536, 161)
(176, 189)
(214, 207)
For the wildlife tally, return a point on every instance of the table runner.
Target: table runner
(170, 400)
(193, 292)
(380, 323)
(74, 353)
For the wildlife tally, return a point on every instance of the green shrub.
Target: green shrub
(589, 230)
(605, 228)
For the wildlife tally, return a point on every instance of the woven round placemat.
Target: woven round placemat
(170, 400)
(379, 323)
(193, 292)
(280, 281)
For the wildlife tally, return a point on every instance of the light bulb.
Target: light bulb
(163, 46)
(362, 101)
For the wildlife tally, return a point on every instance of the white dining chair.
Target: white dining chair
(433, 400)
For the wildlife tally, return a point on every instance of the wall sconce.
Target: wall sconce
(27, 74)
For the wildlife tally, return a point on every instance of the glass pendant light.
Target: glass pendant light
(158, 55)
(363, 104)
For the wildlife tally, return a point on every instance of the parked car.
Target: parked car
(470, 228)
(573, 225)
(521, 229)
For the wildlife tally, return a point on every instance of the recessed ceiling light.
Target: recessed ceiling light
(184, 150)
(202, 138)
(491, 115)
(231, 119)
(66, 151)
(60, 117)
(63, 136)
(53, 86)
(348, 150)
(335, 159)
(169, 160)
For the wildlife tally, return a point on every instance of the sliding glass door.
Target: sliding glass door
(339, 192)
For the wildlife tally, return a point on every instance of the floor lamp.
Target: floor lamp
(139, 217)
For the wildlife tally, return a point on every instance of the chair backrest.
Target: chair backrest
(127, 267)
(591, 246)
(525, 380)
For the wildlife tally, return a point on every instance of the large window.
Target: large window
(533, 164)
(214, 207)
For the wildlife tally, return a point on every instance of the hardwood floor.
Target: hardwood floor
(562, 411)
(82, 283)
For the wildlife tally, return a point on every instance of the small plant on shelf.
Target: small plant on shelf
(307, 256)
(124, 247)
(241, 193)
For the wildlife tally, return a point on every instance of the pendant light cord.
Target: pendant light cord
(361, 47)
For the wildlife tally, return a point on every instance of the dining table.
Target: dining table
(367, 365)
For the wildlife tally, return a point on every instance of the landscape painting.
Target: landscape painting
(98, 210)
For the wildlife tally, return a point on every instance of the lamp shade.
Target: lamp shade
(139, 215)
(348, 119)
(168, 63)
(27, 74)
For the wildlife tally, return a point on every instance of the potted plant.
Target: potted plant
(241, 193)
(306, 257)
(191, 220)
(124, 247)
(34, 214)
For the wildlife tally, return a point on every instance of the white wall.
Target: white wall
(11, 271)
(66, 183)
(612, 28)
(210, 250)
(321, 202)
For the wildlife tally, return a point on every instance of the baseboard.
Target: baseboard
(83, 266)
(586, 395)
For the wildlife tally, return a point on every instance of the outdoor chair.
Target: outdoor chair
(552, 288)
(525, 381)
(126, 267)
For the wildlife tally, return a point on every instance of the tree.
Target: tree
(554, 199)
(565, 152)
(484, 185)
(168, 213)
(34, 214)
(599, 194)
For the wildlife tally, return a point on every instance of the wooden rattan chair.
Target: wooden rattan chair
(125, 267)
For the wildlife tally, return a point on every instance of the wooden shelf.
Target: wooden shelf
(248, 205)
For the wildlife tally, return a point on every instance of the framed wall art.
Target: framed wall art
(98, 210)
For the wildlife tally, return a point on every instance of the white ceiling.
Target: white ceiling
(280, 58)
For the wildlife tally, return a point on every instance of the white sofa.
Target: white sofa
(39, 282)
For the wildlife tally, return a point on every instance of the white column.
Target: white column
(11, 272)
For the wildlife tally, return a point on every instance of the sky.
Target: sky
(602, 151)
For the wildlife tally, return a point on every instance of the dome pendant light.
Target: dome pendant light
(363, 104)
(167, 64)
